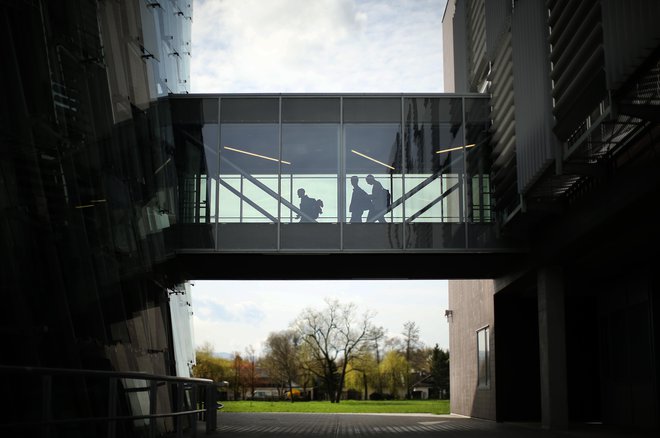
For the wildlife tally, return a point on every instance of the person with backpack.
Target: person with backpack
(311, 208)
(379, 201)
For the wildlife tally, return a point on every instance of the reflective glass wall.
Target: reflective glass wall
(329, 172)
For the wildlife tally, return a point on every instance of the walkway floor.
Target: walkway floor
(276, 425)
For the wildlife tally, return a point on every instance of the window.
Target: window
(483, 358)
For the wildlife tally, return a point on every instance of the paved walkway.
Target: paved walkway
(276, 425)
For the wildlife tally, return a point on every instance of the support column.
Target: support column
(552, 348)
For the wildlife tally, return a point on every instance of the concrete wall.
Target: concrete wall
(471, 303)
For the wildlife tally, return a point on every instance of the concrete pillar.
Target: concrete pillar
(552, 348)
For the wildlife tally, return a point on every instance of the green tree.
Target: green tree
(362, 371)
(393, 369)
(210, 367)
(281, 358)
(440, 371)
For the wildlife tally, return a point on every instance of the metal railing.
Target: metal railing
(49, 400)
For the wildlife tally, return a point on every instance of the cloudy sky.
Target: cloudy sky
(247, 46)
(232, 315)
(315, 46)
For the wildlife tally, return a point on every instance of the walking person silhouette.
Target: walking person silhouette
(310, 207)
(360, 201)
(378, 201)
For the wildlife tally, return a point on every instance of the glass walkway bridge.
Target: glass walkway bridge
(394, 174)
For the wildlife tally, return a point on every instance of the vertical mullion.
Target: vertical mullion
(404, 172)
(463, 179)
(217, 179)
(342, 175)
(279, 176)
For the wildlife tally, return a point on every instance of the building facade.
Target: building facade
(536, 180)
(81, 203)
(573, 331)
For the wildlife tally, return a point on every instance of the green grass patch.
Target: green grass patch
(346, 406)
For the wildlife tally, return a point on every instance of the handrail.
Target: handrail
(206, 411)
(120, 374)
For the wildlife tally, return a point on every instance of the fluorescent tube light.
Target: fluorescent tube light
(162, 165)
(256, 155)
(372, 159)
(455, 149)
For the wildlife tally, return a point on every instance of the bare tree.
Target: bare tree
(411, 344)
(237, 378)
(251, 357)
(281, 356)
(377, 338)
(334, 334)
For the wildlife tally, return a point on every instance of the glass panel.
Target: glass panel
(373, 166)
(310, 175)
(434, 173)
(478, 194)
(248, 173)
(249, 110)
(372, 110)
(196, 157)
(311, 110)
(477, 125)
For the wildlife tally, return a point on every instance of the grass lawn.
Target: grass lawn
(346, 406)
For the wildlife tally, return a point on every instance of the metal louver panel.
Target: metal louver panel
(476, 36)
(577, 60)
(631, 32)
(504, 169)
(535, 142)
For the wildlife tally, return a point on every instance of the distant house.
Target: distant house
(425, 388)
(265, 388)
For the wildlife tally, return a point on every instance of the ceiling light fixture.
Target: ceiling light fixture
(455, 149)
(372, 159)
(256, 155)
(162, 165)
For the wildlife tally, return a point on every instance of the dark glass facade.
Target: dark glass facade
(88, 193)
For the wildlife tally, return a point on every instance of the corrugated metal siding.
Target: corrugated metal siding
(448, 85)
(630, 32)
(476, 39)
(535, 141)
(577, 58)
(504, 168)
(498, 22)
(460, 49)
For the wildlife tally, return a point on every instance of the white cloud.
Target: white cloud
(317, 46)
(233, 315)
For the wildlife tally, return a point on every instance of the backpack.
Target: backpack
(318, 208)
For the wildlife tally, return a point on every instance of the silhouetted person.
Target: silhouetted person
(378, 201)
(360, 201)
(310, 207)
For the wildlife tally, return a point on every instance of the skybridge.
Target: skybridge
(396, 174)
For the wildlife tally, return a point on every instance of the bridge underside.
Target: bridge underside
(339, 266)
